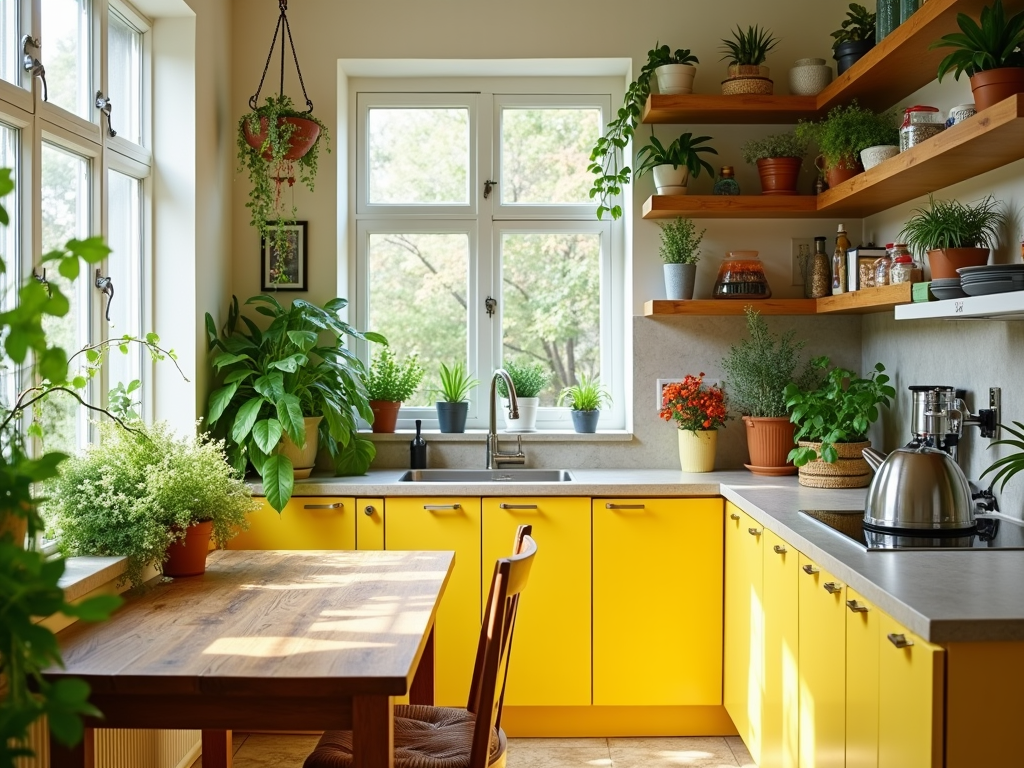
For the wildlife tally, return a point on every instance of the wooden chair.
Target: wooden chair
(448, 737)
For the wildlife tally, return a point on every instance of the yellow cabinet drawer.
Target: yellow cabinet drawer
(306, 522)
(862, 648)
(780, 722)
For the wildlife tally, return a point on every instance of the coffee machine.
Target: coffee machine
(939, 415)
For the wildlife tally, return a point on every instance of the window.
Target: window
(10, 40)
(477, 241)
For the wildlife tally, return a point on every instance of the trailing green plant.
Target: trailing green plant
(845, 131)
(456, 383)
(680, 242)
(388, 379)
(774, 146)
(859, 25)
(528, 379)
(839, 410)
(266, 177)
(759, 368)
(681, 151)
(136, 492)
(952, 224)
(606, 158)
(272, 378)
(748, 48)
(995, 43)
(1009, 465)
(586, 395)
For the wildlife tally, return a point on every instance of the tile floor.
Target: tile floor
(270, 751)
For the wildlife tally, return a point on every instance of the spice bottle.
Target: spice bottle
(839, 262)
(726, 184)
(818, 272)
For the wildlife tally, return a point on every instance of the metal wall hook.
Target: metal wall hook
(31, 64)
(106, 285)
(104, 105)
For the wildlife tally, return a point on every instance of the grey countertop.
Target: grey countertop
(947, 596)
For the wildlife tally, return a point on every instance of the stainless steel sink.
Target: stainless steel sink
(486, 476)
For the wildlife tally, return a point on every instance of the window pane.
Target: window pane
(551, 286)
(418, 297)
(65, 214)
(124, 204)
(65, 53)
(124, 76)
(10, 41)
(419, 156)
(545, 154)
(9, 383)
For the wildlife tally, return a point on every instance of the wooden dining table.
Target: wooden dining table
(265, 640)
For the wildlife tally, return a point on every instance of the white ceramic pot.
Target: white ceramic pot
(872, 156)
(671, 181)
(959, 113)
(527, 421)
(675, 78)
(809, 77)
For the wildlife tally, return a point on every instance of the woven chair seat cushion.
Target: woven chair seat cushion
(425, 737)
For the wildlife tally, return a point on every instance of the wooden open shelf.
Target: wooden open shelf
(703, 108)
(731, 206)
(865, 301)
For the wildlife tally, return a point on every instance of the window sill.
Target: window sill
(83, 575)
(479, 435)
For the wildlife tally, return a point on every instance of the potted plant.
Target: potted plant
(992, 54)
(137, 493)
(881, 138)
(840, 137)
(285, 393)
(674, 71)
(272, 139)
(680, 250)
(698, 411)
(388, 384)
(778, 158)
(585, 398)
(832, 421)
(758, 370)
(854, 38)
(528, 379)
(746, 54)
(453, 407)
(1009, 465)
(672, 166)
(953, 235)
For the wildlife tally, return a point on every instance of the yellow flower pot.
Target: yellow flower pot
(697, 450)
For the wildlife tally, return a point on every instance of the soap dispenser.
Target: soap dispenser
(418, 449)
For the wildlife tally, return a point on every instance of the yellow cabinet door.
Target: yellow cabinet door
(780, 721)
(370, 524)
(657, 601)
(446, 524)
(910, 698)
(545, 672)
(744, 626)
(306, 522)
(822, 662)
(861, 682)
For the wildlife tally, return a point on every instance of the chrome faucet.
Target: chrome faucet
(495, 457)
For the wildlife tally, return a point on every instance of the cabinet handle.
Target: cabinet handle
(368, 510)
(734, 516)
(516, 506)
(899, 640)
(623, 506)
(779, 549)
(438, 507)
(335, 505)
(810, 570)
(753, 531)
(856, 607)
(832, 588)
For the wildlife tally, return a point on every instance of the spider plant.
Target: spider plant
(748, 48)
(995, 43)
(1008, 466)
(682, 151)
(587, 395)
(456, 383)
(951, 224)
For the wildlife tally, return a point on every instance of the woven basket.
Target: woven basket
(849, 471)
(736, 86)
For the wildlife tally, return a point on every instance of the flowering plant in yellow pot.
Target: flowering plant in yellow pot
(698, 411)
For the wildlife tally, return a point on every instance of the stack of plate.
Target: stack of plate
(992, 278)
(947, 288)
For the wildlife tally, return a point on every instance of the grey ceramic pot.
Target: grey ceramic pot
(451, 417)
(585, 421)
(679, 281)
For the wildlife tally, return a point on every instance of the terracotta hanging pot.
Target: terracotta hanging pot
(303, 137)
(187, 556)
(779, 175)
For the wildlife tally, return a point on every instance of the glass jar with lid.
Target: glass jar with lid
(742, 276)
(902, 270)
(919, 123)
(883, 266)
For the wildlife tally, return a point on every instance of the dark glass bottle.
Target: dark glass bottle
(418, 450)
(818, 274)
(726, 184)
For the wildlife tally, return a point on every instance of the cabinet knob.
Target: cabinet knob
(335, 505)
(754, 531)
(734, 516)
(832, 588)
(899, 640)
(810, 570)
(779, 549)
(856, 607)
(368, 510)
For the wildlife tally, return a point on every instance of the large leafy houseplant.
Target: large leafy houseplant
(274, 377)
(859, 26)
(995, 43)
(1008, 466)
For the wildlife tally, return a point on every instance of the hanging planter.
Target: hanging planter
(276, 144)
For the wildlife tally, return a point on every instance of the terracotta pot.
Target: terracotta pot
(769, 441)
(945, 262)
(187, 556)
(303, 458)
(837, 174)
(299, 143)
(697, 450)
(994, 85)
(779, 175)
(15, 527)
(385, 415)
(849, 471)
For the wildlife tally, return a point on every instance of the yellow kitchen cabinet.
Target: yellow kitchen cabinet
(657, 602)
(780, 722)
(370, 524)
(822, 654)
(550, 663)
(862, 646)
(744, 626)
(451, 523)
(306, 522)
(910, 699)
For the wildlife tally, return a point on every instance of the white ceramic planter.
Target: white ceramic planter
(809, 77)
(671, 181)
(872, 156)
(675, 78)
(527, 421)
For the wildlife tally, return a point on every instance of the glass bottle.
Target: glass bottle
(907, 8)
(839, 262)
(883, 267)
(818, 274)
(902, 270)
(887, 18)
(726, 184)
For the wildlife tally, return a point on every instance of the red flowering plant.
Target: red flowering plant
(692, 405)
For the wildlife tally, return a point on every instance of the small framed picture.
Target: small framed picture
(285, 271)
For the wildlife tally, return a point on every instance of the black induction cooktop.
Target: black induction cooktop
(993, 531)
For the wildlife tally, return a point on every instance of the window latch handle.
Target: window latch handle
(104, 105)
(31, 64)
(490, 305)
(489, 186)
(106, 285)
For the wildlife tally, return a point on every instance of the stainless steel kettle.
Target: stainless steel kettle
(917, 488)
